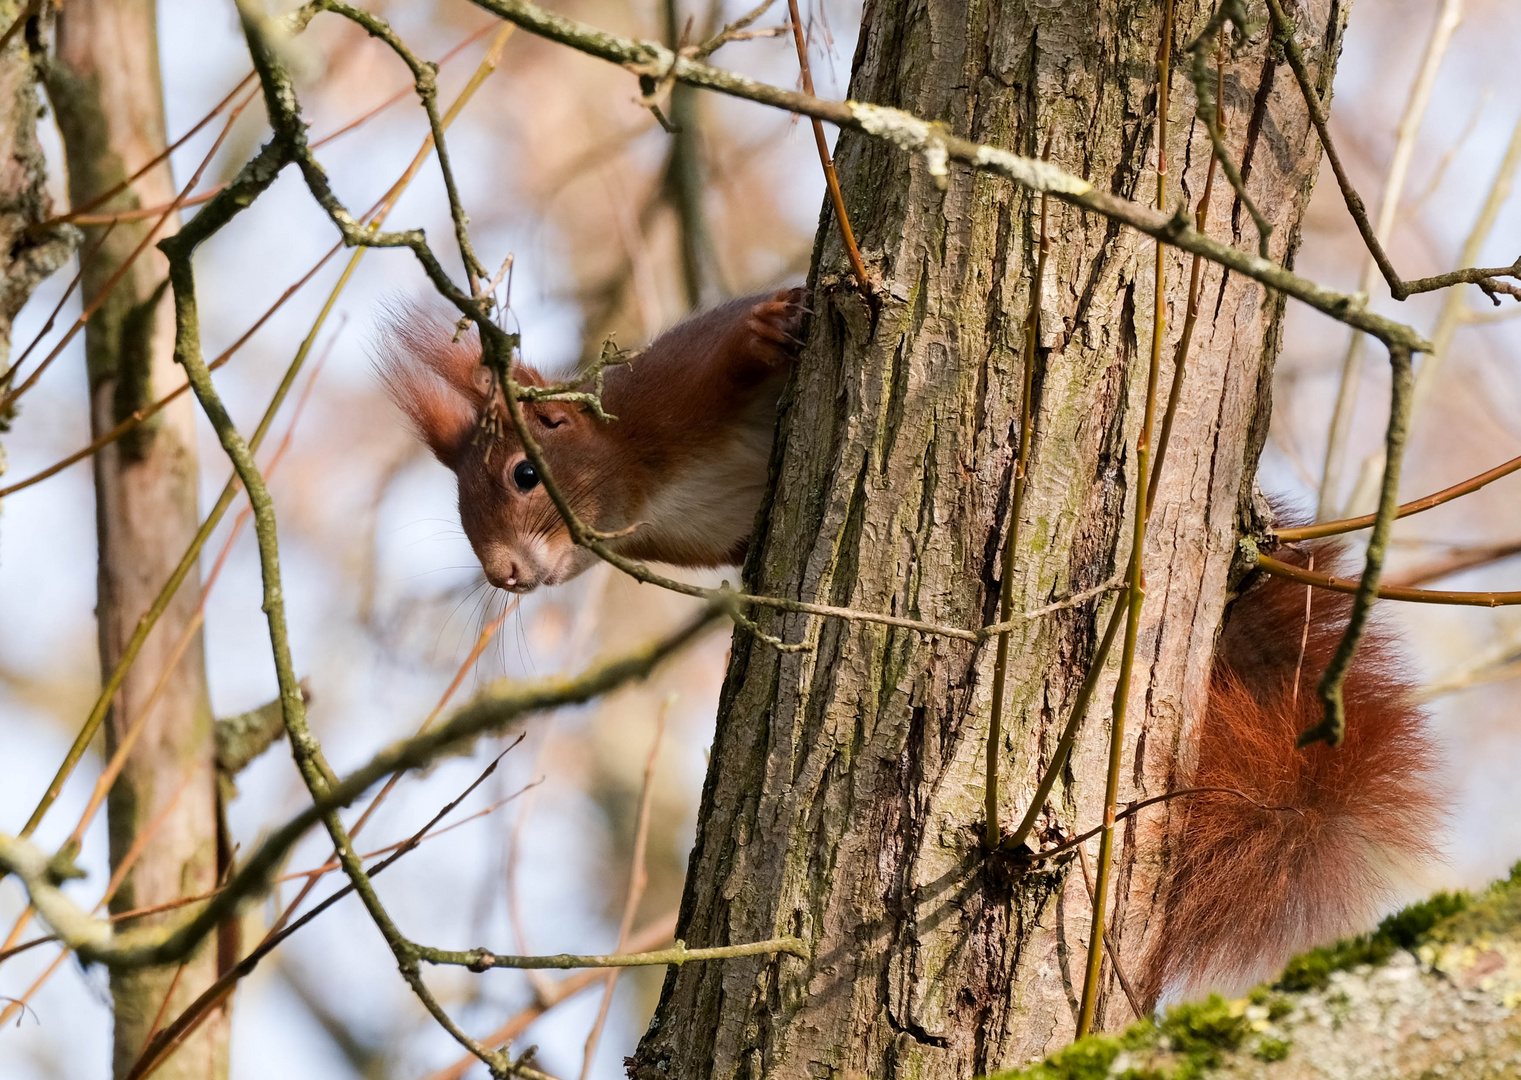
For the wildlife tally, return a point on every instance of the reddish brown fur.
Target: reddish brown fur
(685, 460)
(1252, 887)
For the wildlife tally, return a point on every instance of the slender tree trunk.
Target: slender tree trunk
(106, 89)
(844, 802)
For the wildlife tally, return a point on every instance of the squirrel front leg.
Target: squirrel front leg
(717, 361)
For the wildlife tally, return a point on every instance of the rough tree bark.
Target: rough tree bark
(844, 798)
(27, 255)
(105, 87)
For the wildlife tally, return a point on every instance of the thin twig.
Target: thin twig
(738, 30)
(1063, 749)
(1269, 565)
(1136, 579)
(676, 955)
(1114, 959)
(1133, 808)
(1304, 636)
(638, 877)
(1375, 237)
(1207, 109)
(426, 76)
(661, 929)
(1332, 729)
(316, 872)
(831, 180)
(992, 829)
(484, 638)
(1415, 506)
(516, 926)
(1420, 92)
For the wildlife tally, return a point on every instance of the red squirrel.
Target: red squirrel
(684, 464)
(682, 468)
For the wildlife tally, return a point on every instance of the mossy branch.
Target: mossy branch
(1431, 992)
(241, 738)
(915, 135)
(678, 954)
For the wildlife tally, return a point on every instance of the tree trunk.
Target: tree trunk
(105, 87)
(26, 258)
(844, 801)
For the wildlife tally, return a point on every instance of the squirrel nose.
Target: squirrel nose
(508, 574)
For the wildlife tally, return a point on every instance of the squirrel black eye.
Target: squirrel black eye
(525, 476)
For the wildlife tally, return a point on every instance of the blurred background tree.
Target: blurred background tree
(103, 81)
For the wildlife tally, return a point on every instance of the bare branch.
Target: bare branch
(939, 146)
(1269, 565)
(676, 955)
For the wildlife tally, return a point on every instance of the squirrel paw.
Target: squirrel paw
(773, 325)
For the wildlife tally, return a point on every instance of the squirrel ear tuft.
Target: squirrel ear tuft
(431, 379)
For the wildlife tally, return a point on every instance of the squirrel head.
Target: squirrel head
(514, 527)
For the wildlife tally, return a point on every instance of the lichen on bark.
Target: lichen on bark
(28, 254)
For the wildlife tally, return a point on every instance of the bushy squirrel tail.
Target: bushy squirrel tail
(1313, 849)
